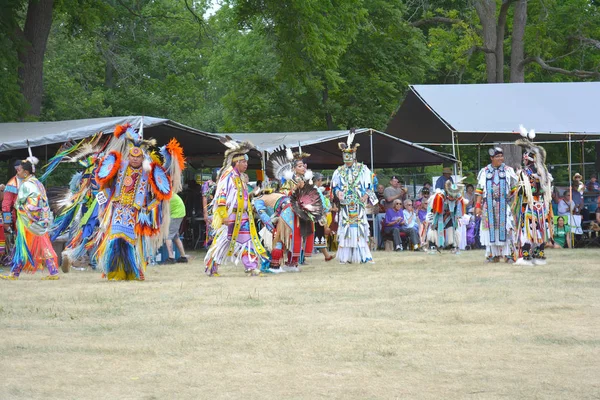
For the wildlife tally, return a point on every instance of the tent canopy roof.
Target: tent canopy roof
(204, 149)
(388, 151)
(489, 113)
(15, 137)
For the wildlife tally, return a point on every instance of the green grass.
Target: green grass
(410, 326)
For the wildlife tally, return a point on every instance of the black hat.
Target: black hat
(18, 162)
(494, 151)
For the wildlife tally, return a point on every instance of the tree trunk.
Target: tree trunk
(513, 155)
(486, 10)
(517, 70)
(31, 55)
(499, 46)
(328, 116)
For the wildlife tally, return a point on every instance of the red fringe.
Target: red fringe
(103, 182)
(145, 230)
(438, 204)
(176, 151)
(157, 193)
(120, 129)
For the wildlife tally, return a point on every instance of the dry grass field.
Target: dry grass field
(411, 326)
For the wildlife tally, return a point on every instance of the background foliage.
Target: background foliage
(274, 65)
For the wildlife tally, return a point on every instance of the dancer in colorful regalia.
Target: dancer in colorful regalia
(236, 237)
(352, 184)
(9, 216)
(444, 210)
(78, 215)
(534, 219)
(33, 249)
(297, 206)
(496, 185)
(136, 180)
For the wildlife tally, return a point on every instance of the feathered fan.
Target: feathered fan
(307, 203)
(279, 163)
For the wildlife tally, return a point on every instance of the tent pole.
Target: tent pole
(371, 140)
(478, 157)
(454, 151)
(583, 161)
(571, 193)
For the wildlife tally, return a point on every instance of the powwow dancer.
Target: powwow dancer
(9, 216)
(444, 210)
(33, 249)
(296, 210)
(496, 184)
(135, 195)
(352, 184)
(532, 203)
(78, 214)
(236, 237)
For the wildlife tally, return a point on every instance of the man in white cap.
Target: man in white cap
(496, 184)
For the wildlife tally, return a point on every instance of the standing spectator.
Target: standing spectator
(593, 185)
(208, 194)
(393, 192)
(177, 216)
(566, 205)
(577, 191)
(562, 237)
(427, 185)
(446, 176)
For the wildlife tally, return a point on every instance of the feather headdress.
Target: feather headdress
(280, 164)
(349, 151)
(234, 150)
(535, 155)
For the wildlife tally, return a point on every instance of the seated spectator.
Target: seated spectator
(393, 192)
(394, 223)
(412, 223)
(598, 210)
(566, 205)
(421, 208)
(593, 185)
(380, 197)
(470, 196)
(562, 236)
(425, 193)
(427, 185)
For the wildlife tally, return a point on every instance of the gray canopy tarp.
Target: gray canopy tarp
(492, 113)
(46, 137)
(203, 149)
(387, 151)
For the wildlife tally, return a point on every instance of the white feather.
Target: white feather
(288, 175)
(146, 165)
(289, 154)
(308, 175)
(523, 131)
(531, 134)
(33, 160)
(350, 139)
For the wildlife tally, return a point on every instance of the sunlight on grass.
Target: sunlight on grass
(410, 326)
